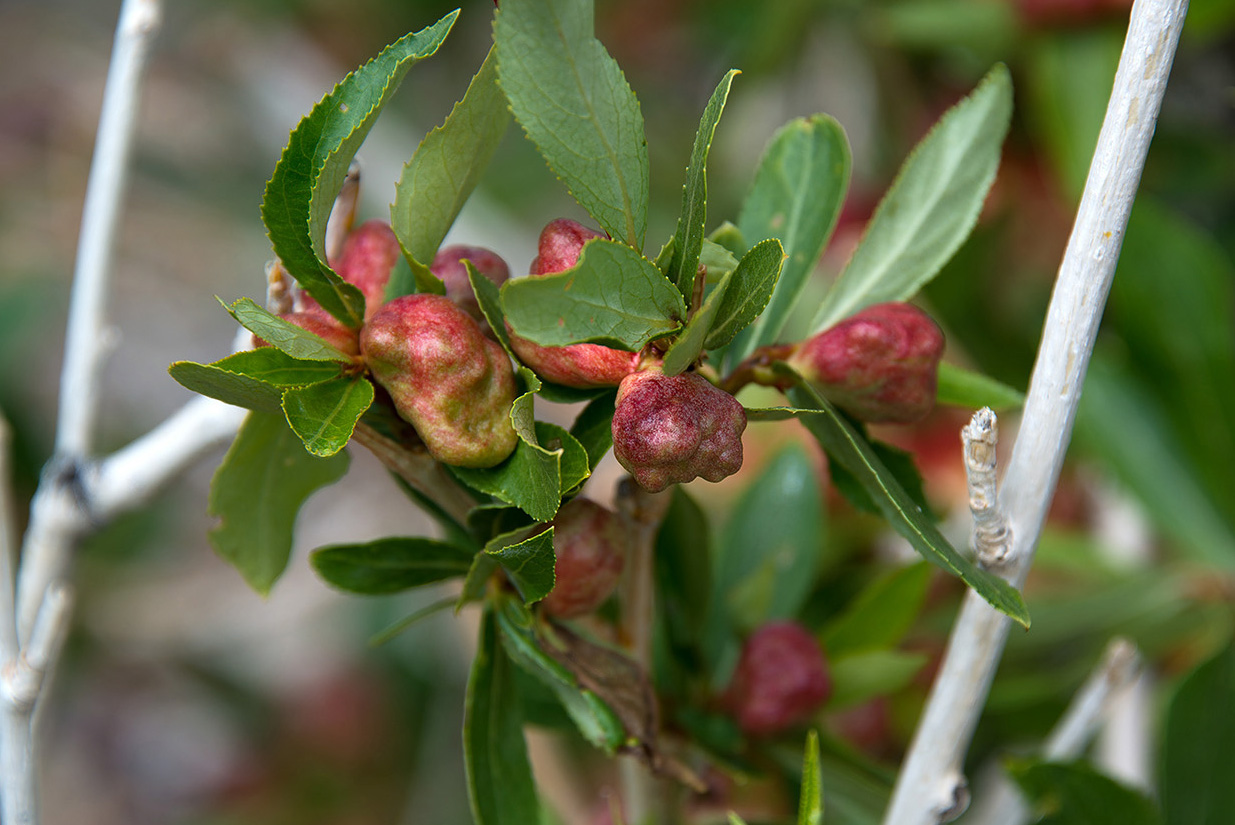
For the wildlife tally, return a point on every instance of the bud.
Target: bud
(673, 429)
(880, 365)
(322, 324)
(448, 265)
(590, 544)
(577, 365)
(449, 381)
(369, 254)
(781, 679)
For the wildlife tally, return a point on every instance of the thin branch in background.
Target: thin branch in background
(9, 647)
(930, 787)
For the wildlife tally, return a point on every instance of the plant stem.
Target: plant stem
(930, 788)
(419, 470)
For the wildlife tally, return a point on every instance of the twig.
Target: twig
(422, 473)
(1117, 671)
(930, 787)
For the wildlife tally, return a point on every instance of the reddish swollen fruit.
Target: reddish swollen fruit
(880, 365)
(590, 545)
(448, 265)
(369, 254)
(322, 324)
(673, 429)
(577, 365)
(780, 681)
(449, 381)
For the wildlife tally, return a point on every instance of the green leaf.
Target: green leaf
(528, 562)
(447, 165)
(277, 368)
(842, 443)
(810, 807)
(490, 301)
(310, 173)
(931, 206)
(499, 779)
(324, 415)
(1198, 775)
(689, 344)
(1073, 793)
(797, 196)
(476, 583)
(770, 549)
(595, 720)
(593, 427)
(613, 296)
(961, 388)
(683, 567)
(684, 264)
(256, 493)
(389, 565)
(229, 387)
(717, 259)
(284, 335)
(898, 462)
(571, 98)
(575, 465)
(881, 614)
(857, 677)
(530, 479)
(734, 819)
(415, 617)
(750, 289)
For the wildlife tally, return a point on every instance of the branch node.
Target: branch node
(280, 292)
(992, 540)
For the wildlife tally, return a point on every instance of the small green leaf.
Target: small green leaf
(593, 427)
(476, 583)
(595, 720)
(613, 296)
(575, 464)
(256, 493)
(490, 301)
(447, 165)
(499, 779)
(689, 344)
(529, 562)
(931, 206)
(324, 415)
(311, 171)
(844, 444)
(1198, 775)
(961, 388)
(881, 614)
(530, 479)
(750, 289)
(389, 565)
(571, 98)
(858, 677)
(734, 819)
(684, 264)
(277, 368)
(229, 387)
(1073, 793)
(284, 335)
(797, 196)
(810, 808)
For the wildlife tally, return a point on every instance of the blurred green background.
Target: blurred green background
(185, 698)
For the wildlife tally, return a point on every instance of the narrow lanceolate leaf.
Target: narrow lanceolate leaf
(1198, 774)
(324, 415)
(499, 778)
(596, 720)
(311, 171)
(881, 614)
(810, 807)
(843, 444)
(1073, 793)
(689, 344)
(529, 562)
(256, 493)
(447, 165)
(571, 98)
(613, 296)
(959, 387)
(931, 207)
(797, 196)
(751, 287)
(284, 335)
(390, 565)
(684, 264)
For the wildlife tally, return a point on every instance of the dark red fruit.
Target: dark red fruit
(673, 429)
(368, 255)
(780, 681)
(590, 544)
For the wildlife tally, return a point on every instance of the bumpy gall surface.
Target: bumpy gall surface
(590, 545)
(881, 365)
(673, 429)
(780, 681)
(578, 365)
(448, 265)
(449, 381)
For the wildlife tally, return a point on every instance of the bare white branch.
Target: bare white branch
(926, 783)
